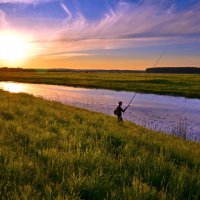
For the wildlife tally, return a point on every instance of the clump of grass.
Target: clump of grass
(52, 151)
(181, 128)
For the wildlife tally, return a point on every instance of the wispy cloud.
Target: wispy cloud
(67, 11)
(129, 25)
(2, 19)
(126, 25)
(63, 55)
(26, 1)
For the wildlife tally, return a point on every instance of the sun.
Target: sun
(14, 48)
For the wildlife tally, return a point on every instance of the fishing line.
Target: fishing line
(159, 58)
(157, 61)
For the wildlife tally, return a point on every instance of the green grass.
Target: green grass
(185, 85)
(52, 151)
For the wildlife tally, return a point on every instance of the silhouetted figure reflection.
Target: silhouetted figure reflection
(119, 110)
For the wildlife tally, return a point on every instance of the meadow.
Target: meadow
(186, 85)
(52, 151)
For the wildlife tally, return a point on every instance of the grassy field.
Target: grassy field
(169, 84)
(52, 151)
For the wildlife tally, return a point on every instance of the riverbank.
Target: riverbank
(185, 85)
(49, 150)
(173, 115)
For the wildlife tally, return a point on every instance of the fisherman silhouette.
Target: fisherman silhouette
(119, 110)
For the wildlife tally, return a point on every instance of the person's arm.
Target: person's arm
(123, 110)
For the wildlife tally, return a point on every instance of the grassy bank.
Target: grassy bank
(52, 151)
(168, 84)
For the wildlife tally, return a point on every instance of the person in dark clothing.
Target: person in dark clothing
(119, 110)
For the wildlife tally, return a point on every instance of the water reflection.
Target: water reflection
(12, 87)
(174, 115)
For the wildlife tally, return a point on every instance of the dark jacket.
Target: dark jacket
(120, 110)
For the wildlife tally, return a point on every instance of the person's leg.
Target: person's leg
(120, 119)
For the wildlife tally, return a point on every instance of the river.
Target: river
(172, 115)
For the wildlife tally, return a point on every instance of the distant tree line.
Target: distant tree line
(175, 70)
(18, 69)
(6, 69)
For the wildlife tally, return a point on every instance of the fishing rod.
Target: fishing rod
(132, 99)
(157, 61)
(155, 64)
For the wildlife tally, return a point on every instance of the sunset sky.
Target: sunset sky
(99, 34)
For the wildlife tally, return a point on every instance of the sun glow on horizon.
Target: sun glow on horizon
(15, 48)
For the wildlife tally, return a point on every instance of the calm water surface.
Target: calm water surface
(174, 115)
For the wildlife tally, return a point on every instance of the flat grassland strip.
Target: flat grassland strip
(185, 85)
(52, 151)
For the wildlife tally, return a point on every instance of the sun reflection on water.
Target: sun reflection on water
(12, 87)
